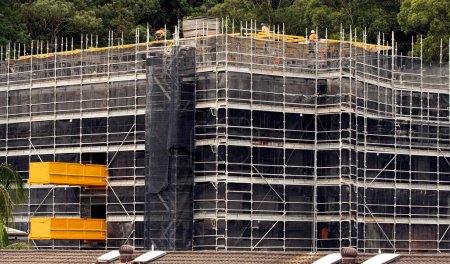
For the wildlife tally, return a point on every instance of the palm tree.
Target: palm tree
(12, 192)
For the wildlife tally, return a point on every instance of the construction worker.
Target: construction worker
(264, 28)
(324, 236)
(324, 233)
(313, 36)
(159, 35)
(312, 40)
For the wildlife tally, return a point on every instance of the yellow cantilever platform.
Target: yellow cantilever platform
(86, 175)
(67, 229)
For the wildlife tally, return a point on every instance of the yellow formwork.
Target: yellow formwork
(86, 175)
(67, 229)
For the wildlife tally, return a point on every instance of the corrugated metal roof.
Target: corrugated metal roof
(200, 257)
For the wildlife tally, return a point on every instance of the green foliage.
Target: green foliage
(201, 8)
(292, 16)
(85, 21)
(22, 20)
(4, 241)
(429, 18)
(19, 246)
(243, 10)
(148, 11)
(370, 15)
(47, 19)
(298, 15)
(11, 192)
(11, 28)
(118, 16)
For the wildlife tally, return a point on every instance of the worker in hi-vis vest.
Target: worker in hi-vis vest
(159, 34)
(313, 36)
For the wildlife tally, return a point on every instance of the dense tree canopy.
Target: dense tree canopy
(430, 18)
(23, 20)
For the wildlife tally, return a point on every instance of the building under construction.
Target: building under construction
(232, 139)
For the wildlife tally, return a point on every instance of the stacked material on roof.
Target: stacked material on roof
(203, 26)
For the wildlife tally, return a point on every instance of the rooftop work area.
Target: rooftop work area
(230, 139)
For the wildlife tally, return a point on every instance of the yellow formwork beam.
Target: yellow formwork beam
(67, 229)
(85, 175)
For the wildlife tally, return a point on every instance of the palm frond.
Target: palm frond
(12, 191)
(6, 207)
(12, 182)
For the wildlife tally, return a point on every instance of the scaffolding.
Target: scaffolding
(79, 106)
(319, 145)
(299, 145)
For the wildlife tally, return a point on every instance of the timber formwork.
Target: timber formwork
(298, 146)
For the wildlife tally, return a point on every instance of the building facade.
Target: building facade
(238, 141)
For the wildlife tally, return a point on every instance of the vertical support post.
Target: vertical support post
(316, 120)
(55, 109)
(251, 135)
(350, 130)
(30, 90)
(81, 106)
(81, 96)
(136, 57)
(283, 51)
(147, 40)
(108, 89)
(421, 77)
(341, 36)
(394, 110)
(440, 58)
(365, 99)
(412, 53)
(437, 163)
(378, 74)
(354, 56)
(409, 161)
(216, 146)
(448, 66)
(227, 93)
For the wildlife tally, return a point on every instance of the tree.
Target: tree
(429, 18)
(85, 21)
(244, 10)
(118, 17)
(12, 192)
(11, 28)
(371, 15)
(23, 20)
(49, 19)
(292, 16)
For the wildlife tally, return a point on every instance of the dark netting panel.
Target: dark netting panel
(170, 149)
